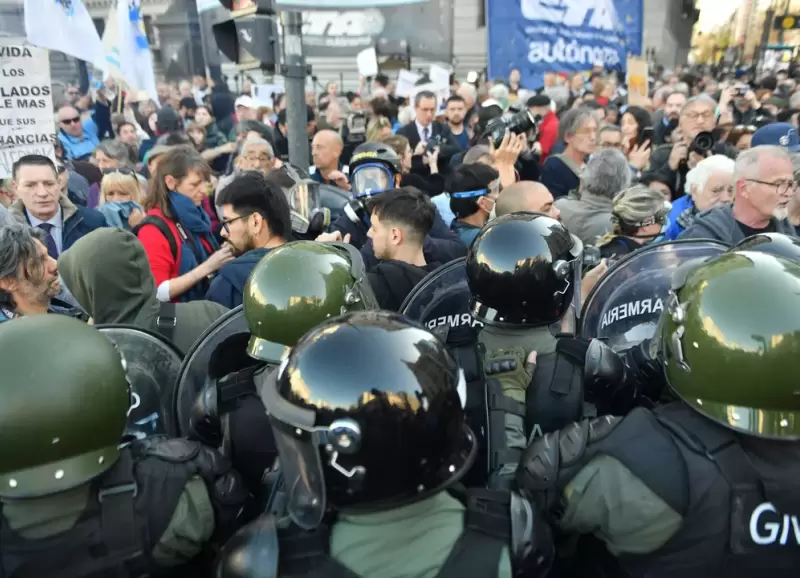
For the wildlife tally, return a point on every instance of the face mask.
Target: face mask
(493, 213)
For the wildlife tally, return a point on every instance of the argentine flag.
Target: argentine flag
(135, 58)
(64, 26)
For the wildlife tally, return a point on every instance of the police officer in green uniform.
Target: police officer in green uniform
(705, 485)
(73, 502)
(367, 412)
(524, 275)
(290, 291)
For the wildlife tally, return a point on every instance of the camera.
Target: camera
(519, 123)
(356, 127)
(739, 91)
(433, 142)
(702, 143)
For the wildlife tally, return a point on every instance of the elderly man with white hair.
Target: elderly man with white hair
(709, 184)
(764, 186)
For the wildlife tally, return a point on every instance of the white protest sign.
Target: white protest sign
(263, 93)
(440, 77)
(367, 62)
(406, 83)
(27, 124)
(442, 93)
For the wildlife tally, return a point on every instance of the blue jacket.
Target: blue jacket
(80, 149)
(78, 221)
(678, 207)
(465, 231)
(227, 287)
(558, 177)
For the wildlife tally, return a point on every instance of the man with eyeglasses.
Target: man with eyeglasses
(671, 162)
(79, 141)
(255, 218)
(764, 186)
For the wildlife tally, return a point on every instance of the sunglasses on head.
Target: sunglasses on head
(128, 172)
(71, 120)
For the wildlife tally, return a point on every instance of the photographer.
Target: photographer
(670, 163)
(539, 105)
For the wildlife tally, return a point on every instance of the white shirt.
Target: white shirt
(58, 227)
(420, 130)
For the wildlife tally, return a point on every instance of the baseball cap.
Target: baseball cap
(245, 101)
(780, 134)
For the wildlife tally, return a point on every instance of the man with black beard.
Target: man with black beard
(255, 219)
(662, 131)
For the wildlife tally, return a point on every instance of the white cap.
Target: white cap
(245, 101)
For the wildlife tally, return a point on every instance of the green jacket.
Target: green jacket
(516, 344)
(108, 274)
(409, 542)
(189, 529)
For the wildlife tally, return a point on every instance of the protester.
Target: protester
(255, 219)
(709, 184)
(121, 198)
(587, 213)
(109, 275)
(176, 234)
(638, 215)
(79, 139)
(764, 186)
(473, 191)
(424, 131)
(526, 196)
(326, 151)
(401, 219)
(561, 172)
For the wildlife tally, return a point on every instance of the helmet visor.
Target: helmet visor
(304, 202)
(370, 179)
(303, 479)
(570, 321)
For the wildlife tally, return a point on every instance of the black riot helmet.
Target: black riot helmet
(524, 269)
(776, 244)
(367, 412)
(374, 168)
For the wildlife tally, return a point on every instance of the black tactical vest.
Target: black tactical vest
(130, 507)
(738, 495)
(476, 554)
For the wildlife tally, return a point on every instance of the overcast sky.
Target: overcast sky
(715, 12)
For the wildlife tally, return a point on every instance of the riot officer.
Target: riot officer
(291, 290)
(74, 502)
(705, 485)
(524, 275)
(367, 415)
(374, 168)
(776, 244)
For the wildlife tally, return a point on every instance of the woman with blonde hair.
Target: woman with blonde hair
(379, 128)
(121, 198)
(638, 215)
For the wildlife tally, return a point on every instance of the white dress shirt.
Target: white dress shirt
(421, 129)
(58, 227)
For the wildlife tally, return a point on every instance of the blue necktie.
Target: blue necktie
(52, 249)
(425, 133)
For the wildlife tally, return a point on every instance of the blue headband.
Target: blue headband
(470, 194)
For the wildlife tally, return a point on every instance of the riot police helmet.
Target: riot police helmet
(776, 244)
(523, 269)
(64, 403)
(729, 340)
(367, 412)
(297, 286)
(374, 167)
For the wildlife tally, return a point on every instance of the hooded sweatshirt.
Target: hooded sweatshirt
(227, 287)
(108, 274)
(392, 281)
(586, 215)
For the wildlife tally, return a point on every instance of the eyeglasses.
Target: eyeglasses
(122, 171)
(707, 115)
(781, 187)
(225, 224)
(75, 120)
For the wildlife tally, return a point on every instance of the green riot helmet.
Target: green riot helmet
(296, 287)
(64, 403)
(729, 341)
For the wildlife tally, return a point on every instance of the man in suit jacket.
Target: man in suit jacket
(423, 129)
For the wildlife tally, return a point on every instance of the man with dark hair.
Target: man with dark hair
(187, 107)
(455, 112)
(255, 219)
(41, 205)
(425, 130)
(401, 219)
(473, 193)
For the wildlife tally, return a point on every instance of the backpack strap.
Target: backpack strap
(487, 532)
(305, 553)
(167, 321)
(162, 226)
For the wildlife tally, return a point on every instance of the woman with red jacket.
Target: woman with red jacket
(176, 231)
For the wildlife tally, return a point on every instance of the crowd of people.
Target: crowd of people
(166, 216)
